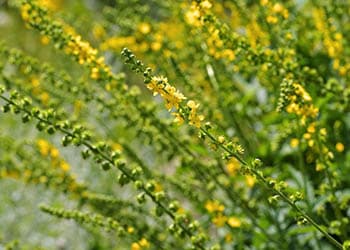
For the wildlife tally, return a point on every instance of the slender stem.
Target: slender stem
(281, 194)
(111, 161)
(301, 212)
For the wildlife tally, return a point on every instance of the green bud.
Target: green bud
(106, 166)
(141, 198)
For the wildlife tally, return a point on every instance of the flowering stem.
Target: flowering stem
(281, 194)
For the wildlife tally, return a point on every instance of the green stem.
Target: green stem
(281, 194)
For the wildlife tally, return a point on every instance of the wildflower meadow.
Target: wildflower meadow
(175, 124)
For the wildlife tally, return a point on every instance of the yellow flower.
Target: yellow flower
(264, 2)
(178, 118)
(53, 5)
(44, 147)
(54, 153)
(130, 230)
(250, 180)
(311, 128)
(320, 166)
(339, 147)
(172, 97)
(25, 11)
(271, 19)
(191, 104)
(221, 139)
(311, 143)
(64, 166)
(95, 73)
(214, 206)
(232, 166)
(45, 40)
(192, 16)
(144, 243)
(219, 220)
(277, 7)
(135, 246)
(44, 97)
(323, 131)
(294, 142)
(156, 46)
(234, 221)
(43, 179)
(206, 4)
(157, 84)
(144, 28)
(194, 118)
(117, 147)
(98, 31)
(228, 238)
